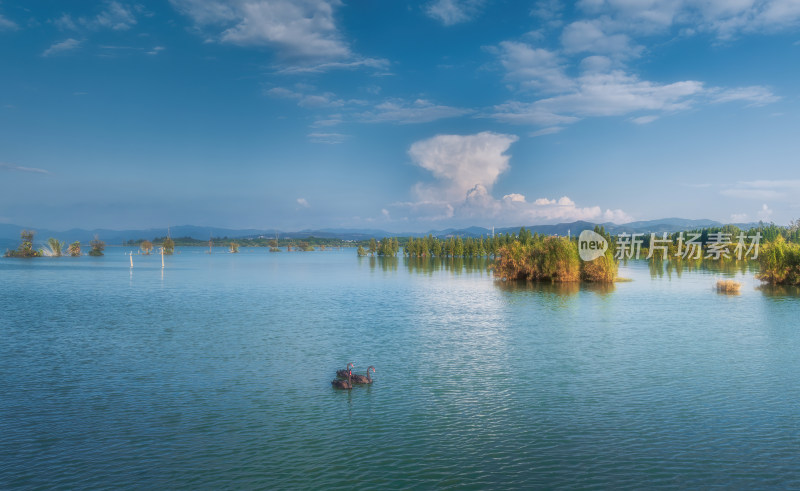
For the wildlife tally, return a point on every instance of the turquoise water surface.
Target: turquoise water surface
(215, 372)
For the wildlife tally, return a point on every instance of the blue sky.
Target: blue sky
(401, 116)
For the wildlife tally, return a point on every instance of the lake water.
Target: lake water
(215, 372)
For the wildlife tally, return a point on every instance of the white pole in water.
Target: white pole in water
(162, 258)
(131, 254)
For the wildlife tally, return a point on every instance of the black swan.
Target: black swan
(343, 384)
(361, 379)
(343, 373)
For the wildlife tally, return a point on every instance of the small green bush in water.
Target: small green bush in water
(25, 249)
(780, 263)
(97, 247)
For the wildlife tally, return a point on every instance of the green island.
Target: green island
(523, 256)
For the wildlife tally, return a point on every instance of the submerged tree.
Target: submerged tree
(361, 252)
(373, 246)
(25, 249)
(234, 248)
(168, 245)
(74, 249)
(147, 247)
(97, 247)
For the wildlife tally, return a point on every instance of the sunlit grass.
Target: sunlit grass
(728, 286)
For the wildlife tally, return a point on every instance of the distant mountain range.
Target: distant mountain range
(9, 234)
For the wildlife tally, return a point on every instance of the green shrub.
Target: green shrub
(780, 263)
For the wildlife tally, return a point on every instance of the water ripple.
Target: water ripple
(217, 374)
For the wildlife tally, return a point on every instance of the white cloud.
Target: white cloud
(602, 94)
(6, 24)
(548, 10)
(515, 197)
(724, 18)
(646, 16)
(301, 29)
(329, 138)
(529, 113)
(377, 63)
(459, 162)
(765, 212)
(65, 22)
(66, 45)
(616, 216)
(590, 36)
(319, 100)
(115, 16)
(518, 210)
(755, 95)
(450, 12)
(739, 217)
(596, 64)
(466, 168)
(303, 202)
(18, 168)
(419, 111)
(644, 119)
(776, 190)
(618, 93)
(331, 120)
(533, 68)
(552, 130)
(156, 50)
(393, 110)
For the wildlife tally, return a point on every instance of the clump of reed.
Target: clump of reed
(552, 258)
(728, 286)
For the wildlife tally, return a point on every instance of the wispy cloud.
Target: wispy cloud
(397, 111)
(755, 95)
(773, 190)
(644, 119)
(18, 168)
(303, 203)
(603, 88)
(297, 29)
(533, 68)
(307, 100)
(114, 15)
(596, 36)
(7, 25)
(328, 138)
(725, 19)
(376, 63)
(61, 47)
(450, 12)
(418, 111)
(548, 131)
(590, 75)
(601, 94)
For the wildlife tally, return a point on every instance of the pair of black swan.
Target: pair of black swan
(351, 378)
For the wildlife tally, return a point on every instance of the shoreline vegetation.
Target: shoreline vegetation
(512, 257)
